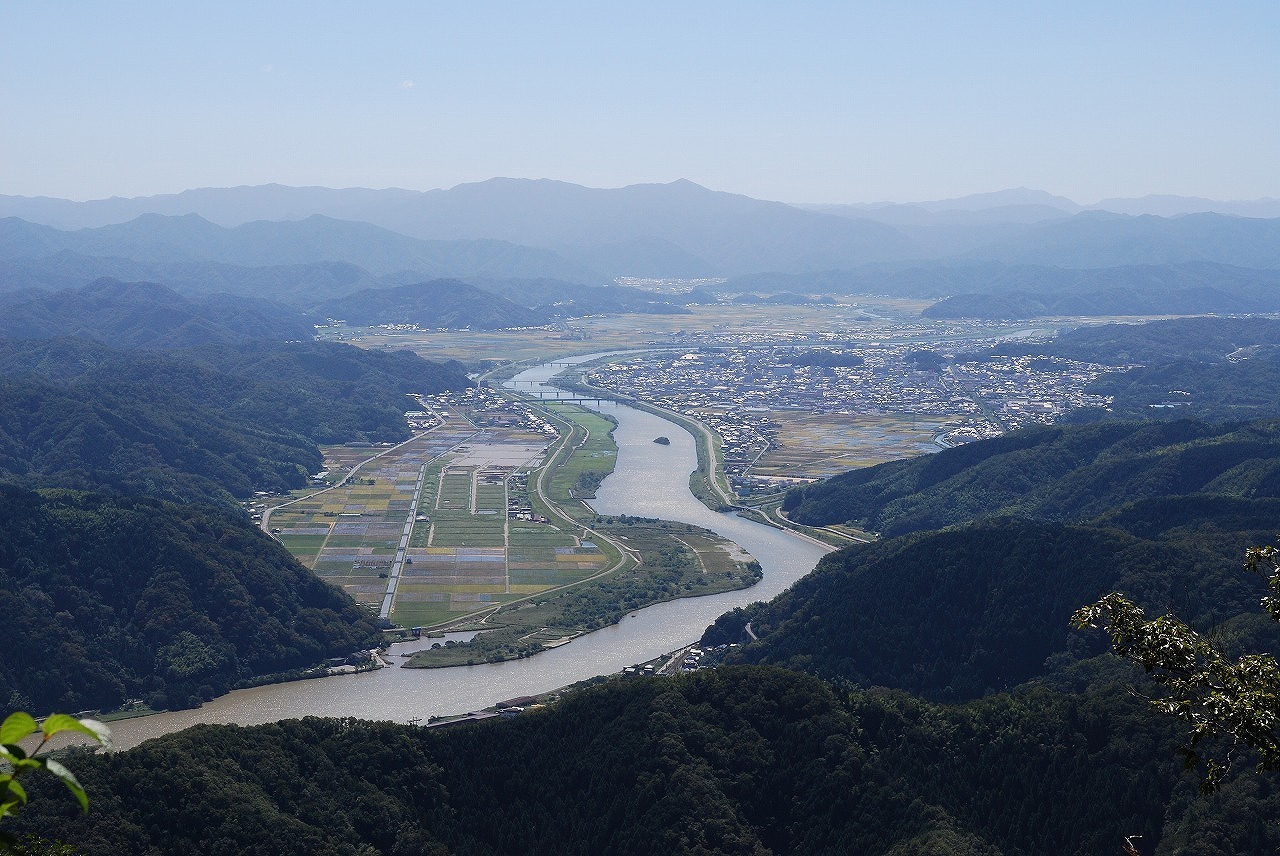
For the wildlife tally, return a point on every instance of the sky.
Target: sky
(820, 102)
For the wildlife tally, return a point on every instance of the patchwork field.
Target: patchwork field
(611, 332)
(677, 560)
(468, 547)
(822, 445)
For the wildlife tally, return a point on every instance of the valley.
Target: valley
(695, 429)
(481, 512)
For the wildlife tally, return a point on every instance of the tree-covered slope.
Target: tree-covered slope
(733, 761)
(1202, 340)
(1065, 472)
(106, 598)
(568, 299)
(142, 438)
(243, 416)
(1246, 387)
(956, 614)
(197, 425)
(142, 314)
(438, 303)
(329, 391)
(154, 239)
(1109, 302)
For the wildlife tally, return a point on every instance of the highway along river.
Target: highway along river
(651, 480)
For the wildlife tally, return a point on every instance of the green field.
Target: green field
(482, 537)
(677, 561)
(594, 457)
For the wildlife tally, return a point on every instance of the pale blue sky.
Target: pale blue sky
(799, 101)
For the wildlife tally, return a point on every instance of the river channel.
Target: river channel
(651, 480)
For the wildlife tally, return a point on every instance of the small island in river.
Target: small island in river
(662, 441)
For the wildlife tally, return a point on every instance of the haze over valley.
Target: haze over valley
(685, 429)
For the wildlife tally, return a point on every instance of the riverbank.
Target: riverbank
(650, 481)
(674, 560)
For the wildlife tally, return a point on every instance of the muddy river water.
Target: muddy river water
(651, 480)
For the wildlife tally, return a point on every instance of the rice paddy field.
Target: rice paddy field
(678, 560)
(611, 332)
(813, 445)
(474, 542)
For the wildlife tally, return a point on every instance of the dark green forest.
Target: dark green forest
(131, 572)
(108, 598)
(1060, 472)
(147, 315)
(438, 303)
(958, 614)
(203, 424)
(737, 760)
(1241, 389)
(1196, 339)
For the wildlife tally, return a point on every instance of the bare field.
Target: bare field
(822, 445)
(464, 554)
(603, 333)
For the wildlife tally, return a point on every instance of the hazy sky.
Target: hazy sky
(796, 101)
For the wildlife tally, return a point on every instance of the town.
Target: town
(741, 392)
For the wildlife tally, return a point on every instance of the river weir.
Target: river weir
(650, 480)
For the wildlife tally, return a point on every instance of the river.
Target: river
(650, 480)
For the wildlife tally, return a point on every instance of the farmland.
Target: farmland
(476, 539)
(811, 445)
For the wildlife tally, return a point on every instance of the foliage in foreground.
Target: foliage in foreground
(1232, 702)
(19, 762)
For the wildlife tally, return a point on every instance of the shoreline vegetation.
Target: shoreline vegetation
(651, 561)
(707, 482)
(654, 561)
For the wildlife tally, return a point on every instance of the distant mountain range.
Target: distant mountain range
(647, 225)
(159, 239)
(1043, 254)
(1022, 204)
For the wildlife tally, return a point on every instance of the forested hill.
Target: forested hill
(438, 303)
(110, 598)
(197, 425)
(329, 391)
(1245, 387)
(1053, 473)
(142, 314)
(1156, 342)
(1219, 369)
(142, 438)
(749, 761)
(569, 299)
(956, 614)
(1099, 300)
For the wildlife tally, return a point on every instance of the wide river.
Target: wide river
(651, 480)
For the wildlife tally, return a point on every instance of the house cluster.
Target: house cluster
(757, 380)
(486, 408)
(1022, 391)
(733, 389)
(518, 505)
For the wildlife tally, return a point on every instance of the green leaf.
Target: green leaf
(59, 722)
(70, 781)
(15, 789)
(17, 726)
